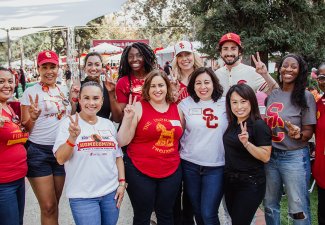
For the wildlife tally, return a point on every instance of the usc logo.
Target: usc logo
(274, 120)
(209, 118)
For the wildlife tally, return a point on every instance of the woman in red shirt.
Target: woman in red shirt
(152, 128)
(12, 156)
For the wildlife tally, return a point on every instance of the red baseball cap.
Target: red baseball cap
(230, 37)
(47, 56)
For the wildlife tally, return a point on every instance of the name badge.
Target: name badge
(196, 111)
(175, 123)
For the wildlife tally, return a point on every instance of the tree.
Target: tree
(264, 25)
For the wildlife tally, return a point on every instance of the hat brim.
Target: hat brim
(190, 51)
(48, 61)
(222, 42)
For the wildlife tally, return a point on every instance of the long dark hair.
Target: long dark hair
(246, 92)
(149, 57)
(298, 94)
(217, 88)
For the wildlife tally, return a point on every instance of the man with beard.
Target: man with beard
(235, 72)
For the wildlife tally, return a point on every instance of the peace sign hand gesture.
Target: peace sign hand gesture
(260, 67)
(109, 83)
(129, 110)
(243, 136)
(74, 128)
(33, 110)
(3, 119)
(293, 130)
(75, 87)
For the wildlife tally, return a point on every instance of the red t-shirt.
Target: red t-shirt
(319, 163)
(13, 165)
(154, 148)
(184, 93)
(123, 89)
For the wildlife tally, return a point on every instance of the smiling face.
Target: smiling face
(91, 100)
(93, 66)
(185, 61)
(48, 73)
(321, 78)
(158, 89)
(230, 53)
(203, 86)
(7, 85)
(135, 60)
(289, 71)
(240, 107)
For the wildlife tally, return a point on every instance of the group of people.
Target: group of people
(188, 139)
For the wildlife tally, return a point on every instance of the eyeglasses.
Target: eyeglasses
(321, 78)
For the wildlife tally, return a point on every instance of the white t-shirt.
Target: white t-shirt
(47, 124)
(91, 171)
(240, 73)
(206, 122)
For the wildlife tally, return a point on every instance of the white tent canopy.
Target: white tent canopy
(48, 13)
(14, 35)
(106, 48)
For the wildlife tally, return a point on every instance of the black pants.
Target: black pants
(149, 194)
(243, 195)
(321, 206)
(183, 210)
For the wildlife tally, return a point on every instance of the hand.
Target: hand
(75, 87)
(293, 130)
(74, 128)
(33, 109)
(119, 195)
(3, 119)
(109, 83)
(129, 110)
(243, 136)
(260, 67)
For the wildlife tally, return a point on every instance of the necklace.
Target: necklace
(15, 119)
(64, 100)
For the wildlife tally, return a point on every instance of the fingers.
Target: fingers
(241, 126)
(77, 119)
(119, 197)
(130, 99)
(71, 119)
(31, 100)
(36, 101)
(258, 57)
(254, 59)
(289, 124)
(134, 100)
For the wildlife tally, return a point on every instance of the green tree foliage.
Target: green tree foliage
(264, 25)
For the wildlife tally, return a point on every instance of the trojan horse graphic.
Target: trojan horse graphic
(166, 138)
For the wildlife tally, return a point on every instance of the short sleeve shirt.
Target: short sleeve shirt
(123, 89)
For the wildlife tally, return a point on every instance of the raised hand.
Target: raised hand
(109, 83)
(74, 128)
(260, 67)
(3, 119)
(33, 109)
(293, 130)
(75, 87)
(243, 136)
(129, 110)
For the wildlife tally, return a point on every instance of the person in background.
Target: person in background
(13, 158)
(93, 69)
(248, 143)
(152, 129)
(319, 163)
(137, 61)
(167, 68)
(205, 123)
(43, 106)
(291, 115)
(22, 78)
(67, 76)
(86, 144)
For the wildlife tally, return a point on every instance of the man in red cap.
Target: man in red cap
(235, 72)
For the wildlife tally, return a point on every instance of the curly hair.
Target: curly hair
(150, 60)
(217, 88)
(298, 97)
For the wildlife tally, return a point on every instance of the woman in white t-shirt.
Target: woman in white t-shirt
(43, 106)
(86, 145)
(202, 150)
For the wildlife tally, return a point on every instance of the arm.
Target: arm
(116, 108)
(30, 113)
(181, 115)
(132, 114)
(121, 177)
(261, 153)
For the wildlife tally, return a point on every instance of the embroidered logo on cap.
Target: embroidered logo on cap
(229, 36)
(48, 54)
(181, 45)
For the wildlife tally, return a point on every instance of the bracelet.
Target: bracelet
(125, 185)
(69, 143)
(74, 100)
(121, 180)
(246, 145)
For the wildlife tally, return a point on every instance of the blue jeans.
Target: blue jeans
(148, 194)
(291, 169)
(12, 202)
(95, 211)
(205, 190)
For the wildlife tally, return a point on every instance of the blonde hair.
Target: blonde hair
(197, 64)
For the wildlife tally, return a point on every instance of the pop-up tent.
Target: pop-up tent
(106, 48)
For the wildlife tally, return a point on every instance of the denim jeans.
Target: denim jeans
(12, 202)
(205, 190)
(291, 169)
(148, 194)
(95, 211)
